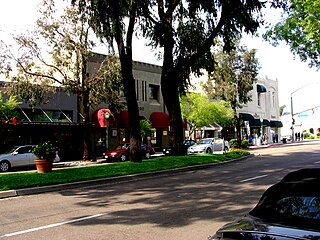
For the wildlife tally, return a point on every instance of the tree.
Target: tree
(199, 111)
(233, 79)
(300, 29)
(281, 110)
(7, 108)
(108, 20)
(55, 54)
(186, 31)
(146, 128)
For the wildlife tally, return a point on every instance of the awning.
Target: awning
(159, 120)
(277, 124)
(212, 127)
(123, 119)
(261, 88)
(253, 122)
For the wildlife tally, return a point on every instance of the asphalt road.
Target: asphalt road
(187, 205)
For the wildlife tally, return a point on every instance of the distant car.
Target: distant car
(186, 143)
(19, 156)
(289, 209)
(209, 145)
(122, 152)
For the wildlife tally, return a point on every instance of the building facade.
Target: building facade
(261, 117)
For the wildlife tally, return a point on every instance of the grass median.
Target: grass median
(68, 175)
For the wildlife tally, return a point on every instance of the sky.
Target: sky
(294, 77)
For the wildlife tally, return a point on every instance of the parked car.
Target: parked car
(19, 156)
(209, 145)
(122, 152)
(186, 143)
(289, 209)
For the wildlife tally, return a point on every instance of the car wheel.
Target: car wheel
(148, 155)
(209, 150)
(4, 166)
(123, 157)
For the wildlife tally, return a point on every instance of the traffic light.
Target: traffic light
(293, 121)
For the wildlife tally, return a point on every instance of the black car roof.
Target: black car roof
(304, 182)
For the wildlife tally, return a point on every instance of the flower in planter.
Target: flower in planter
(45, 151)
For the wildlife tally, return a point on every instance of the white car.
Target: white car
(209, 145)
(19, 156)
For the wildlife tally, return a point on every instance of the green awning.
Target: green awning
(277, 124)
(253, 122)
(261, 88)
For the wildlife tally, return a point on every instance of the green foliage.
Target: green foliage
(145, 128)
(7, 108)
(233, 143)
(299, 28)
(199, 111)
(244, 143)
(45, 151)
(234, 76)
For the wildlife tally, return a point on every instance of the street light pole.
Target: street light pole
(292, 114)
(292, 121)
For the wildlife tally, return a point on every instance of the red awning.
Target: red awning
(99, 117)
(123, 119)
(159, 120)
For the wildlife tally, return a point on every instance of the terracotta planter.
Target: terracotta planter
(43, 165)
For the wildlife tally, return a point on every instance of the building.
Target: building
(60, 121)
(261, 116)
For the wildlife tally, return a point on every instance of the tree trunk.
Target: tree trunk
(125, 54)
(169, 87)
(238, 128)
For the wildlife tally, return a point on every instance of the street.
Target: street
(188, 205)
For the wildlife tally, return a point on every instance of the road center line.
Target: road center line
(253, 178)
(51, 225)
(317, 162)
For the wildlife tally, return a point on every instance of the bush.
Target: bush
(244, 143)
(233, 143)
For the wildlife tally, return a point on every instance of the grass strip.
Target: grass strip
(33, 179)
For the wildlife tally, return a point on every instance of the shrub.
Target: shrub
(44, 151)
(233, 143)
(244, 143)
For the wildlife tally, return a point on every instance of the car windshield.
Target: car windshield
(12, 150)
(205, 141)
(296, 203)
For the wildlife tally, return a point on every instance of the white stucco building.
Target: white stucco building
(261, 116)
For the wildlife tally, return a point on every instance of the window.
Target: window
(273, 99)
(154, 92)
(259, 99)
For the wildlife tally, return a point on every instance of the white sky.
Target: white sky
(276, 63)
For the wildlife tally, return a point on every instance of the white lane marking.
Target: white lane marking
(316, 162)
(52, 225)
(253, 178)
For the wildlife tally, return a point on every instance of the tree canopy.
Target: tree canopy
(198, 110)
(56, 54)
(233, 78)
(300, 29)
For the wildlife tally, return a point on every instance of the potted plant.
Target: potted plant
(45, 153)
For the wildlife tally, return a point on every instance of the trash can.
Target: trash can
(284, 140)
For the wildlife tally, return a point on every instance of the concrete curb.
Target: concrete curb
(112, 180)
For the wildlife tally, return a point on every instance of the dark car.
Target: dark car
(186, 143)
(289, 209)
(122, 152)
